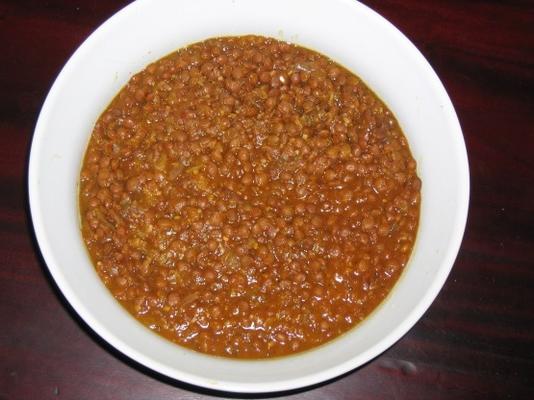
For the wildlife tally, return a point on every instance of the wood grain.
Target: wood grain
(477, 339)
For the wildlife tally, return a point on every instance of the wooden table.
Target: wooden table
(477, 339)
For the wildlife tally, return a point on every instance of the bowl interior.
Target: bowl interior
(344, 30)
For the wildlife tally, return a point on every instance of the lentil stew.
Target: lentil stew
(247, 197)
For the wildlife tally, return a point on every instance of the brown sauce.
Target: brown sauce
(248, 198)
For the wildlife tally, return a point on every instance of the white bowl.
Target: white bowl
(344, 30)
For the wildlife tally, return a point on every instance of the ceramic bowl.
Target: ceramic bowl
(344, 30)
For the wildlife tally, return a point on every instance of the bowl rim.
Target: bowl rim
(231, 386)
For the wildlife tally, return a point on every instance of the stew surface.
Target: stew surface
(248, 198)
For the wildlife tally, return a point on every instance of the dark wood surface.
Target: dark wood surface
(477, 339)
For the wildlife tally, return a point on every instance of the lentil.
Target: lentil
(248, 198)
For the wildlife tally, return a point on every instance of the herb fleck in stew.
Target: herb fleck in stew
(249, 198)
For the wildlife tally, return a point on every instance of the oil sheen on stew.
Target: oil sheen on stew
(249, 198)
